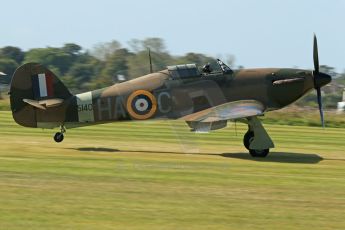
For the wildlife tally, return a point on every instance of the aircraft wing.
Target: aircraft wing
(227, 111)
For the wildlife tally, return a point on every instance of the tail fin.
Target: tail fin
(33, 88)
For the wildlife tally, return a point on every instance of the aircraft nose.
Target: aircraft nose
(321, 79)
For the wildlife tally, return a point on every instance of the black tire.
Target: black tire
(259, 153)
(58, 137)
(247, 139)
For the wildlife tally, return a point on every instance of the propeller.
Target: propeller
(320, 79)
(319, 101)
(316, 56)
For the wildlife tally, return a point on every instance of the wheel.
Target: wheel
(58, 137)
(248, 138)
(259, 153)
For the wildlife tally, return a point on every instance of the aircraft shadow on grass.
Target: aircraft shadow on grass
(278, 157)
(93, 149)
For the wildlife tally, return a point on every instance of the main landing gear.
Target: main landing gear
(59, 136)
(256, 140)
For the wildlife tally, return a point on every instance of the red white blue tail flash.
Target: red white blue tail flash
(42, 85)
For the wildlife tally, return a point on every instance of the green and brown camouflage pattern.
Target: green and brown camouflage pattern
(174, 96)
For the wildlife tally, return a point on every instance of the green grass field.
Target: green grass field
(157, 175)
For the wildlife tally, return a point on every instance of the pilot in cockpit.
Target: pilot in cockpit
(207, 68)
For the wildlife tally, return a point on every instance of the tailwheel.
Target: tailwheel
(58, 137)
(247, 140)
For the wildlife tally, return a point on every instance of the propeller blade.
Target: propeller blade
(319, 101)
(316, 56)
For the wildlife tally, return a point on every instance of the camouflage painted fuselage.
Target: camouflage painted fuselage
(168, 94)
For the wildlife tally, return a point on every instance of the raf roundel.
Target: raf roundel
(141, 105)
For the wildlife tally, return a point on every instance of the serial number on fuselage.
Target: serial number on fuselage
(85, 107)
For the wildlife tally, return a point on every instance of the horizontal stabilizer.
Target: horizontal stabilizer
(44, 104)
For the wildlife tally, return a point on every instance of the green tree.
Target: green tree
(135, 45)
(50, 56)
(72, 49)
(8, 66)
(80, 75)
(139, 64)
(116, 64)
(198, 59)
(155, 44)
(84, 70)
(13, 53)
(102, 51)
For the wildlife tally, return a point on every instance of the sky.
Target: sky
(259, 33)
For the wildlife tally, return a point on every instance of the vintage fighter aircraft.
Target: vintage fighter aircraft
(205, 99)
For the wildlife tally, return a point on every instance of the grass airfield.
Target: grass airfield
(158, 175)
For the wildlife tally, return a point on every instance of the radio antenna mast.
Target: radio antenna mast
(151, 69)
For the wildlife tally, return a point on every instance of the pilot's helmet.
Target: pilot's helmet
(207, 68)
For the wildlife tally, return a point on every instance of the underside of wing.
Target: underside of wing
(227, 111)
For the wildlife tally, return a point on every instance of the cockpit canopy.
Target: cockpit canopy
(191, 70)
(183, 71)
(224, 67)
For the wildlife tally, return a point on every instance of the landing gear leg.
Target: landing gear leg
(256, 140)
(59, 136)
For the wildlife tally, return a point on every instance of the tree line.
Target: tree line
(111, 62)
(101, 66)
